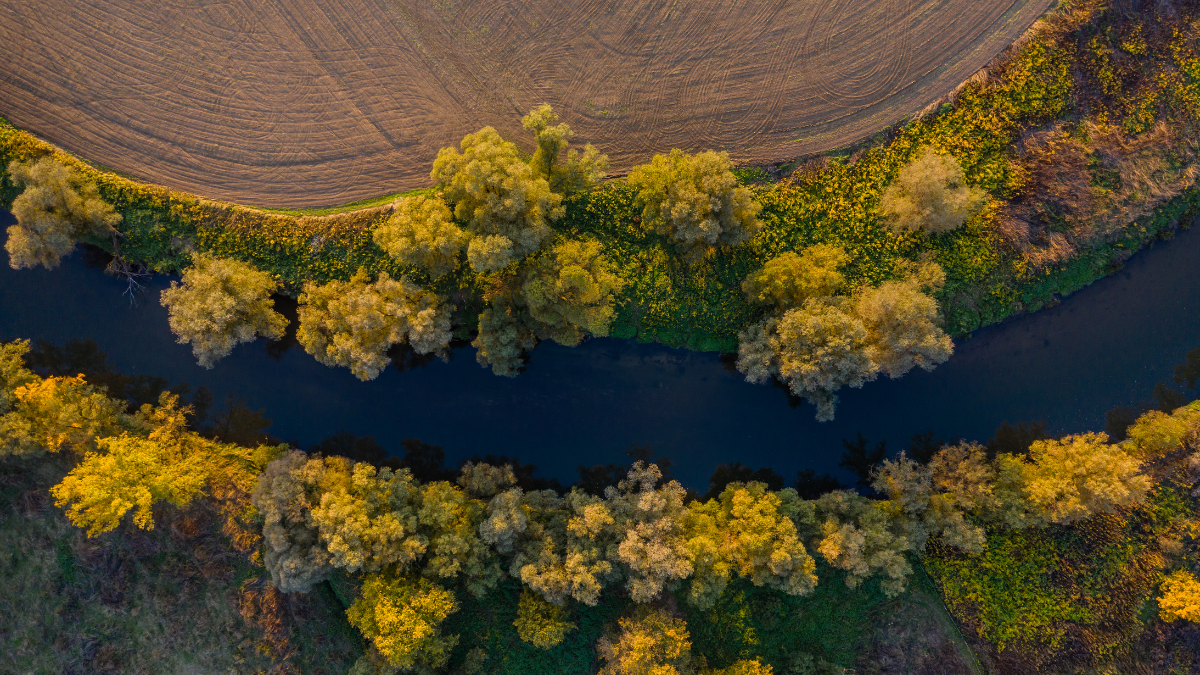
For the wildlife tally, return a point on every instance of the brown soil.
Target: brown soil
(306, 103)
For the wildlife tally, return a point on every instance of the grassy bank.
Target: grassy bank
(176, 599)
(1078, 598)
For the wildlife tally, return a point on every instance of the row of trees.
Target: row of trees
(497, 205)
(221, 303)
(413, 543)
(127, 462)
(563, 290)
(643, 538)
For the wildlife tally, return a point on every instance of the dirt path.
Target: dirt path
(318, 102)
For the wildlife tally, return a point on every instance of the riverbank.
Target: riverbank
(1106, 346)
(1079, 180)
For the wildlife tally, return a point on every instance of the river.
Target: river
(1104, 346)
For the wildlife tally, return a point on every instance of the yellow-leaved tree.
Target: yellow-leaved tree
(903, 321)
(55, 210)
(815, 349)
(506, 205)
(571, 291)
(369, 522)
(541, 623)
(854, 534)
(745, 531)
(1180, 597)
(653, 643)
(402, 618)
(133, 471)
(220, 304)
(747, 667)
(579, 172)
(421, 232)
(929, 195)
(790, 278)
(58, 413)
(649, 518)
(1156, 433)
(695, 200)
(1080, 475)
(830, 342)
(353, 323)
(13, 372)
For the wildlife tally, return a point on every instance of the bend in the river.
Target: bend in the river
(1104, 346)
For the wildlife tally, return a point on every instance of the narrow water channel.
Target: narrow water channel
(1106, 345)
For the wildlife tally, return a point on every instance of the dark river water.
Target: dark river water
(1104, 346)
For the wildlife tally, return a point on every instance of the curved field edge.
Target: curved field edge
(1042, 84)
(309, 105)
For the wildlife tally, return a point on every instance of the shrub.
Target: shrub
(421, 232)
(695, 200)
(1180, 597)
(929, 196)
(540, 623)
(788, 279)
(220, 304)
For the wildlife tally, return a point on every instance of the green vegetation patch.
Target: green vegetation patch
(1062, 595)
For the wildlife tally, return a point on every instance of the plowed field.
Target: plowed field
(311, 103)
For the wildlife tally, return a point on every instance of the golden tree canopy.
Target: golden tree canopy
(353, 323)
(790, 278)
(421, 232)
(1079, 475)
(506, 205)
(929, 195)
(579, 172)
(571, 291)
(655, 644)
(402, 618)
(541, 623)
(695, 200)
(1180, 597)
(220, 304)
(55, 209)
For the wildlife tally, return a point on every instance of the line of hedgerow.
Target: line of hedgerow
(700, 306)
